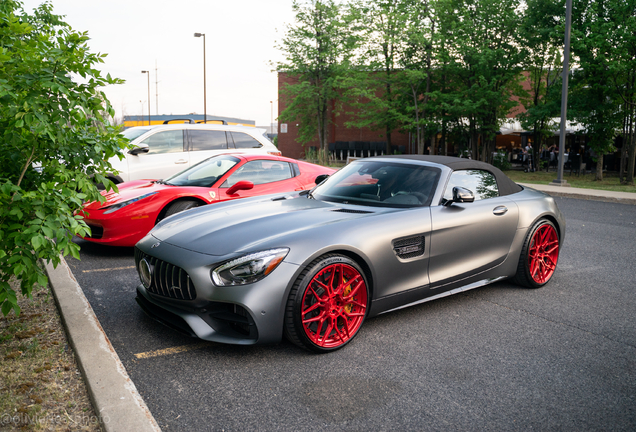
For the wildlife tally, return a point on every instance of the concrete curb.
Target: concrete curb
(115, 398)
(586, 194)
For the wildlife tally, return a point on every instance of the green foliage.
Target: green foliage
(602, 39)
(500, 160)
(375, 87)
(55, 140)
(317, 51)
(542, 32)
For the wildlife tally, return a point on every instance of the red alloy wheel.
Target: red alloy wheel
(334, 305)
(543, 254)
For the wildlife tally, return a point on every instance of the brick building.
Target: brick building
(511, 137)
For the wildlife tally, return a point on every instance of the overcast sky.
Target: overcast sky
(137, 34)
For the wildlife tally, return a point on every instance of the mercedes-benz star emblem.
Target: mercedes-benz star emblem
(155, 245)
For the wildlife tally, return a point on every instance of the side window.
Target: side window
(243, 140)
(207, 140)
(481, 183)
(165, 142)
(260, 172)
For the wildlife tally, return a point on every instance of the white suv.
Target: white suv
(163, 150)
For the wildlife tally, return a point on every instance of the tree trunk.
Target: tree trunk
(599, 167)
(631, 158)
(444, 138)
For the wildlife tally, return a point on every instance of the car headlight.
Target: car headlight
(248, 268)
(115, 207)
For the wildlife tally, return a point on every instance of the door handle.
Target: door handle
(500, 210)
(180, 161)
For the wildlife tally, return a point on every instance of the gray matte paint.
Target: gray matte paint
(466, 245)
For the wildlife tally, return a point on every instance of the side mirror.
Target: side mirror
(141, 148)
(238, 186)
(321, 178)
(461, 195)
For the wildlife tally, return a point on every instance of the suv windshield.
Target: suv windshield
(134, 132)
(205, 173)
(380, 183)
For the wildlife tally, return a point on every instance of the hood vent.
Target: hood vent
(351, 211)
(409, 247)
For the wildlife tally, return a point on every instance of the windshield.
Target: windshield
(134, 132)
(205, 173)
(380, 183)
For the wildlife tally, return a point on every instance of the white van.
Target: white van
(163, 150)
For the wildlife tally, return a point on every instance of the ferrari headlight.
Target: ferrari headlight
(248, 268)
(115, 207)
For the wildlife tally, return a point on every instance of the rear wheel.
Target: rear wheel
(327, 304)
(180, 206)
(539, 255)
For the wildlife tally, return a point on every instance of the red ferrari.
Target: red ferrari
(127, 216)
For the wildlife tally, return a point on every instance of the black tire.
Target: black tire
(342, 311)
(179, 206)
(539, 255)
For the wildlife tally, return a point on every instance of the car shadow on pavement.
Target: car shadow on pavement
(99, 250)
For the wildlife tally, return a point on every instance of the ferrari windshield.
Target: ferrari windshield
(205, 173)
(380, 183)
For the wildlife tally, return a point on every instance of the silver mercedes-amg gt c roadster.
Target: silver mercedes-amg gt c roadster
(381, 234)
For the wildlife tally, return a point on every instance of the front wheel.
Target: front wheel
(179, 206)
(327, 304)
(539, 255)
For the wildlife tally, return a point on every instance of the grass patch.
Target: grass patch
(610, 180)
(40, 385)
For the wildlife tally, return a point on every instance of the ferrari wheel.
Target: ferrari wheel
(180, 206)
(539, 255)
(327, 304)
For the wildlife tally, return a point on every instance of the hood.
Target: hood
(127, 191)
(236, 227)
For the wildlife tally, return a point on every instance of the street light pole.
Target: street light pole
(559, 181)
(148, 72)
(205, 110)
(271, 123)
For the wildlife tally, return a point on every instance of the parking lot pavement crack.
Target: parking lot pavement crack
(529, 313)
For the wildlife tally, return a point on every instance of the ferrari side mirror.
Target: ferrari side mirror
(241, 185)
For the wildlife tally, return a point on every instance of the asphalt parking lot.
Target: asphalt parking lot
(496, 358)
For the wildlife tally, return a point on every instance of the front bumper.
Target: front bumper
(118, 231)
(243, 315)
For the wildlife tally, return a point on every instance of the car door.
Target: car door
(470, 238)
(206, 143)
(166, 156)
(268, 176)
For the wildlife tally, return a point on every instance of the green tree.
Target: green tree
(542, 33)
(376, 86)
(620, 64)
(418, 76)
(595, 104)
(481, 66)
(317, 52)
(55, 142)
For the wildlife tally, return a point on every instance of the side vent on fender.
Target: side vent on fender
(409, 247)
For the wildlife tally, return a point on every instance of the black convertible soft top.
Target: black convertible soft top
(505, 185)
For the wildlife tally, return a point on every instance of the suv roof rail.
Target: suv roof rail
(213, 121)
(190, 121)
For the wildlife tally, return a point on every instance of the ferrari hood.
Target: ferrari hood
(127, 191)
(243, 226)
